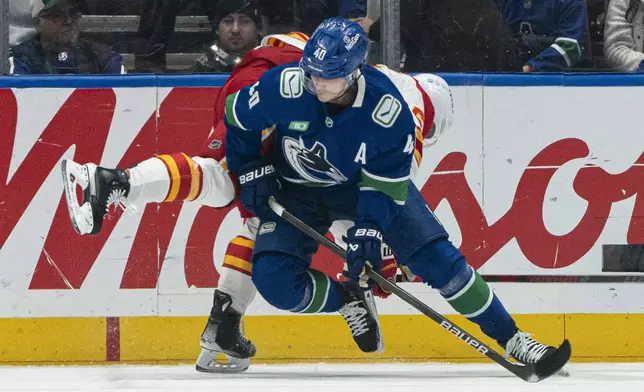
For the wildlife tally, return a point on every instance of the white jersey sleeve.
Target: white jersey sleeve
(421, 107)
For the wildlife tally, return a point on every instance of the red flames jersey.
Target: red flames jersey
(247, 72)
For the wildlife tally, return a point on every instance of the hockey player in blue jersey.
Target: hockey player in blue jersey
(344, 142)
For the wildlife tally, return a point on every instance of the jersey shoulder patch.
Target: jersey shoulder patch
(291, 82)
(387, 111)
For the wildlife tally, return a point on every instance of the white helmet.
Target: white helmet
(441, 96)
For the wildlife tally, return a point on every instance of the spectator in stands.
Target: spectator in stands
(624, 35)
(452, 36)
(21, 22)
(237, 28)
(352, 9)
(550, 34)
(57, 49)
(157, 25)
(313, 12)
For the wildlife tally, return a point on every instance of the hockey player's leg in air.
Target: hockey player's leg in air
(345, 142)
(202, 179)
(167, 178)
(153, 181)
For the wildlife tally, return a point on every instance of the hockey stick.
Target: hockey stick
(530, 372)
(558, 278)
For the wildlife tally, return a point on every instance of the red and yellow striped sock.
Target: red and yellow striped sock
(239, 255)
(186, 177)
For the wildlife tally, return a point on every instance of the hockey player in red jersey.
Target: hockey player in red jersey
(204, 179)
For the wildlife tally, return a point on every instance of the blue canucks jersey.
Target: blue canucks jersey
(367, 147)
(564, 20)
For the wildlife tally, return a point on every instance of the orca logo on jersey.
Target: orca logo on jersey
(310, 164)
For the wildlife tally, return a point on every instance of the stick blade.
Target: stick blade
(552, 364)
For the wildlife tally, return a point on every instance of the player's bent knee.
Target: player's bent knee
(438, 263)
(280, 279)
(217, 189)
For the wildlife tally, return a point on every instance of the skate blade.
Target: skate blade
(563, 373)
(80, 215)
(209, 363)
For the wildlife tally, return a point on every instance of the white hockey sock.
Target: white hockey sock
(239, 286)
(149, 182)
(235, 279)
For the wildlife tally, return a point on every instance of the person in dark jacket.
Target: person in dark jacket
(452, 36)
(57, 48)
(550, 34)
(313, 12)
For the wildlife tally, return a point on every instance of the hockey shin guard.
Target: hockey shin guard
(441, 265)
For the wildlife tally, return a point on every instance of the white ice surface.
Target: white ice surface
(320, 377)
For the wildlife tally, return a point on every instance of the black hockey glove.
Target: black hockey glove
(258, 182)
(364, 241)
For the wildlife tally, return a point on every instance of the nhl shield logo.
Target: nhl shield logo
(527, 4)
(215, 144)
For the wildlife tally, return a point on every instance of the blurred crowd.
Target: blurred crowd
(211, 36)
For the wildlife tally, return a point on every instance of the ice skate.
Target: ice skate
(101, 188)
(222, 337)
(360, 313)
(526, 350)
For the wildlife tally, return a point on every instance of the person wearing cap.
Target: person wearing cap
(236, 25)
(57, 48)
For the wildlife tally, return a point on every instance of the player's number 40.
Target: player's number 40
(254, 96)
(319, 53)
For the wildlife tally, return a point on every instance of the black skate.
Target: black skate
(360, 313)
(526, 350)
(101, 188)
(222, 335)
